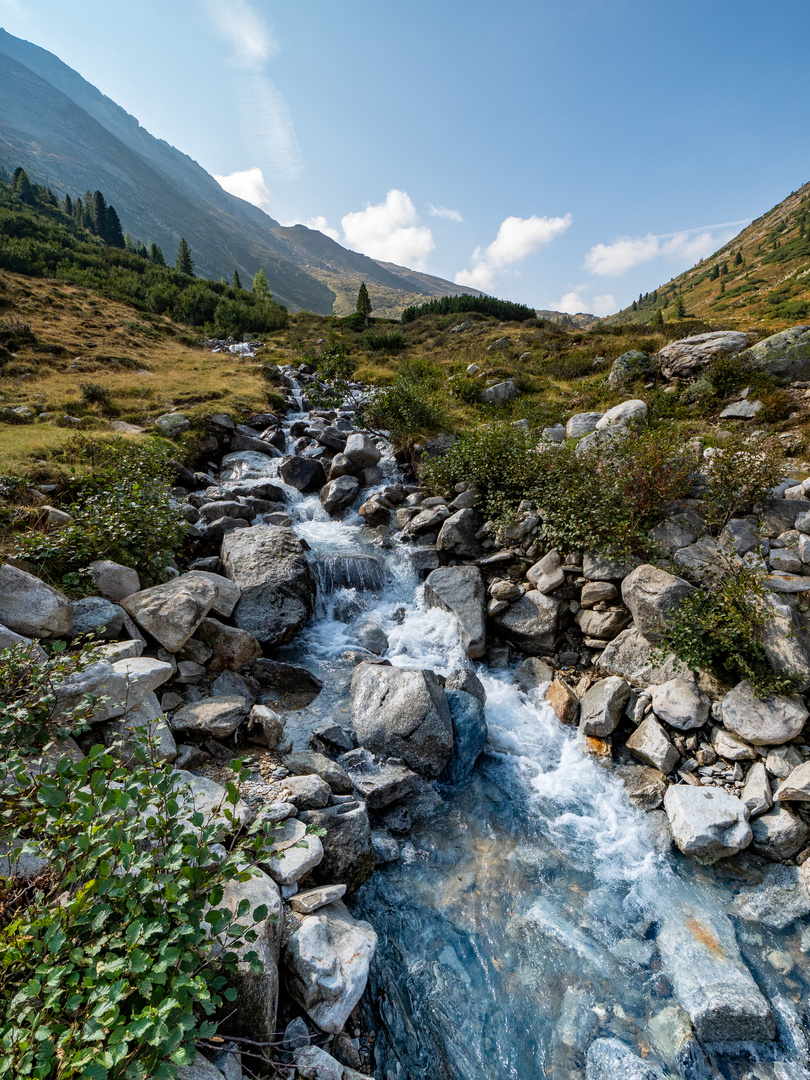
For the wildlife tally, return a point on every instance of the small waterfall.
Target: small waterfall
(343, 570)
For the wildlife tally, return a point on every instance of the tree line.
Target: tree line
(484, 305)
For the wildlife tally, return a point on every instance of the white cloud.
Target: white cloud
(575, 301)
(517, 239)
(248, 185)
(389, 231)
(690, 245)
(248, 35)
(444, 212)
(604, 305)
(320, 224)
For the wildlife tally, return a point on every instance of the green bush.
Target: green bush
(122, 510)
(381, 342)
(719, 627)
(413, 405)
(739, 474)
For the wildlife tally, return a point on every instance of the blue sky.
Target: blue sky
(563, 154)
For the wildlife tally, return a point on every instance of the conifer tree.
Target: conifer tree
(68, 207)
(635, 306)
(658, 318)
(113, 234)
(261, 286)
(22, 187)
(715, 273)
(363, 302)
(156, 255)
(680, 310)
(738, 258)
(184, 265)
(237, 281)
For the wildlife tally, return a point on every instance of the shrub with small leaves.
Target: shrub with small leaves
(739, 474)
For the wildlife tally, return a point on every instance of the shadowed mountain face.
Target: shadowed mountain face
(66, 134)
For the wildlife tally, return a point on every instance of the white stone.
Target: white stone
(623, 414)
(681, 704)
(291, 864)
(707, 823)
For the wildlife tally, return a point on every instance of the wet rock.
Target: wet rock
(685, 358)
(305, 474)
(338, 495)
(216, 716)
(768, 721)
(457, 535)
(532, 623)
(460, 590)
(651, 594)
(532, 673)
(375, 513)
(361, 450)
(403, 713)
(469, 735)
(348, 854)
(707, 823)
(681, 704)
(277, 586)
(563, 701)
(294, 684)
(756, 794)
(327, 961)
(372, 637)
(645, 787)
(779, 834)
(246, 465)
(378, 782)
(386, 849)
(650, 745)
(779, 900)
(632, 656)
(602, 706)
(30, 607)
(466, 680)
(612, 1059)
(701, 958)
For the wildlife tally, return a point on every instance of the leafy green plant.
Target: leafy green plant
(335, 369)
(96, 394)
(122, 510)
(382, 342)
(719, 627)
(739, 474)
(412, 405)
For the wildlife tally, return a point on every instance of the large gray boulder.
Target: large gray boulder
(763, 721)
(403, 713)
(685, 358)
(681, 704)
(146, 720)
(707, 823)
(338, 495)
(779, 834)
(650, 745)
(633, 657)
(582, 423)
(500, 393)
(30, 607)
(361, 450)
(246, 465)
(172, 612)
(277, 586)
(116, 687)
(97, 616)
(612, 1059)
(457, 535)
(348, 855)
(624, 414)
(786, 354)
(233, 648)
(652, 594)
(216, 716)
(302, 473)
(327, 961)
(785, 640)
(460, 590)
(378, 782)
(113, 580)
(602, 706)
(699, 951)
(532, 623)
(630, 365)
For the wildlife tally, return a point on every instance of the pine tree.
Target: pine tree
(738, 259)
(22, 187)
(156, 255)
(184, 265)
(635, 306)
(658, 318)
(78, 211)
(680, 309)
(715, 274)
(363, 302)
(113, 234)
(237, 281)
(261, 286)
(68, 206)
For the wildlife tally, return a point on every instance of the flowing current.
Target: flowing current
(526, 915)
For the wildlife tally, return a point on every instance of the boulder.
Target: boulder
(97, 616)
(532, 673)
(116, 687)
(624, 414)
(311, 900)
(313, 1063)
(460, 590)
(756, 794)
(547, 574)
(30, 607)
(403, 713)
(338, 495)
(232, 648)
(378, 782)
(596, 567)
(199, 794)
(299, 852)
(681, 704)
(531, 623)
(216, 716)
(305, 474)
(602, 625)
(779, 900)
(465, 679)
(685, 358)
(202, 1069)
(602, 706)
(649, 743)
(372, 637)
(227, 592)
(172, 612)
(707, 823)
(786, 354)
(633, 656)
(563, 701)
(762, 721)
(114, 581)
(375, 513)
(265, 727)
(645, 787)
(469, 735)
(277, 586)
(582, 424)
(361, 450)
(630, 365)
(651, 595)
(308, 762)
(796, 786)
(612, 1059)
(779, 834)
(146, 720)
(348, 855)
(457, 535)
(500, 393)
(246, 465)
(700, 956)
(327, 961)
(307, 792)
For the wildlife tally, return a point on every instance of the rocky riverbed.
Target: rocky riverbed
(549, 850)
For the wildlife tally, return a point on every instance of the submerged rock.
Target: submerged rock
(612, 1059)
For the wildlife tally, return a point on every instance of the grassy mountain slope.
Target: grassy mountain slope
(760, 279)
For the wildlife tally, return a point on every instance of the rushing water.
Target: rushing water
(523, 917)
